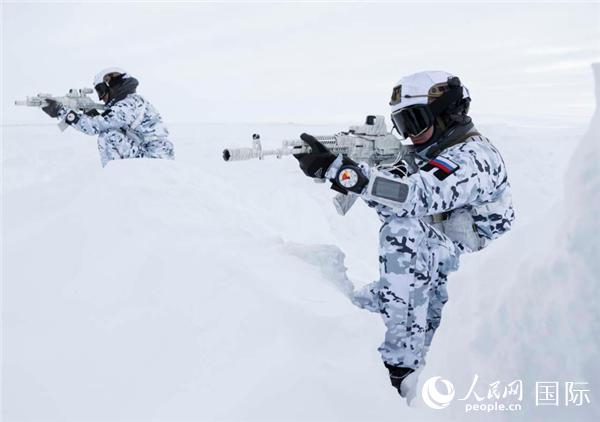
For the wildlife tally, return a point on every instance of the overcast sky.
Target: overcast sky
(303, 62)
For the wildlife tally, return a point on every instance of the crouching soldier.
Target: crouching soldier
(452, 197)
(129, 127)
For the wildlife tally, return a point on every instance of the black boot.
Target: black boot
(397, 375)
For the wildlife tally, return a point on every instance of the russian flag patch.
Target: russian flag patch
(442, 167)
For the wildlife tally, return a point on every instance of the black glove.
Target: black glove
(92, 112)
(398, 374)
(52, 107)
(315, 163)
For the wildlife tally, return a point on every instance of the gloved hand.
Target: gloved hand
(52, 108)
(315, 163)
(92, 112)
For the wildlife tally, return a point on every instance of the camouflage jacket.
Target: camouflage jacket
(463, 191)
(132, 113)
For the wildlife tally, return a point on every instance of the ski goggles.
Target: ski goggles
(413, 120)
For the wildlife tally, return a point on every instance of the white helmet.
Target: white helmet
(420, 100)
(99, 78)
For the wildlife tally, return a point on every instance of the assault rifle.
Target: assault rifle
(370, 143)
(75, 99)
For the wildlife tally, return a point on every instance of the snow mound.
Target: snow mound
(199, 290)
(155, 294)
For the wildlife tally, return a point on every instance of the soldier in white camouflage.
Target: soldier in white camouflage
(452, 196)
(129, 127)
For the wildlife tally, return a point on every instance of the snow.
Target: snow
(202, 290)
(205, 290)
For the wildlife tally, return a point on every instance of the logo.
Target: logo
(71, 117)
(348, 178)
(433, 397)
(502, 396)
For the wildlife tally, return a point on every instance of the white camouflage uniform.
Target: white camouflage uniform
(130, 128)
(416, 254)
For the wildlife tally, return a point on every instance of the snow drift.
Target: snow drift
(199, 290)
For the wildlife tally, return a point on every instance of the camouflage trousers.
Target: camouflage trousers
(414, 262)
(116, 145)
